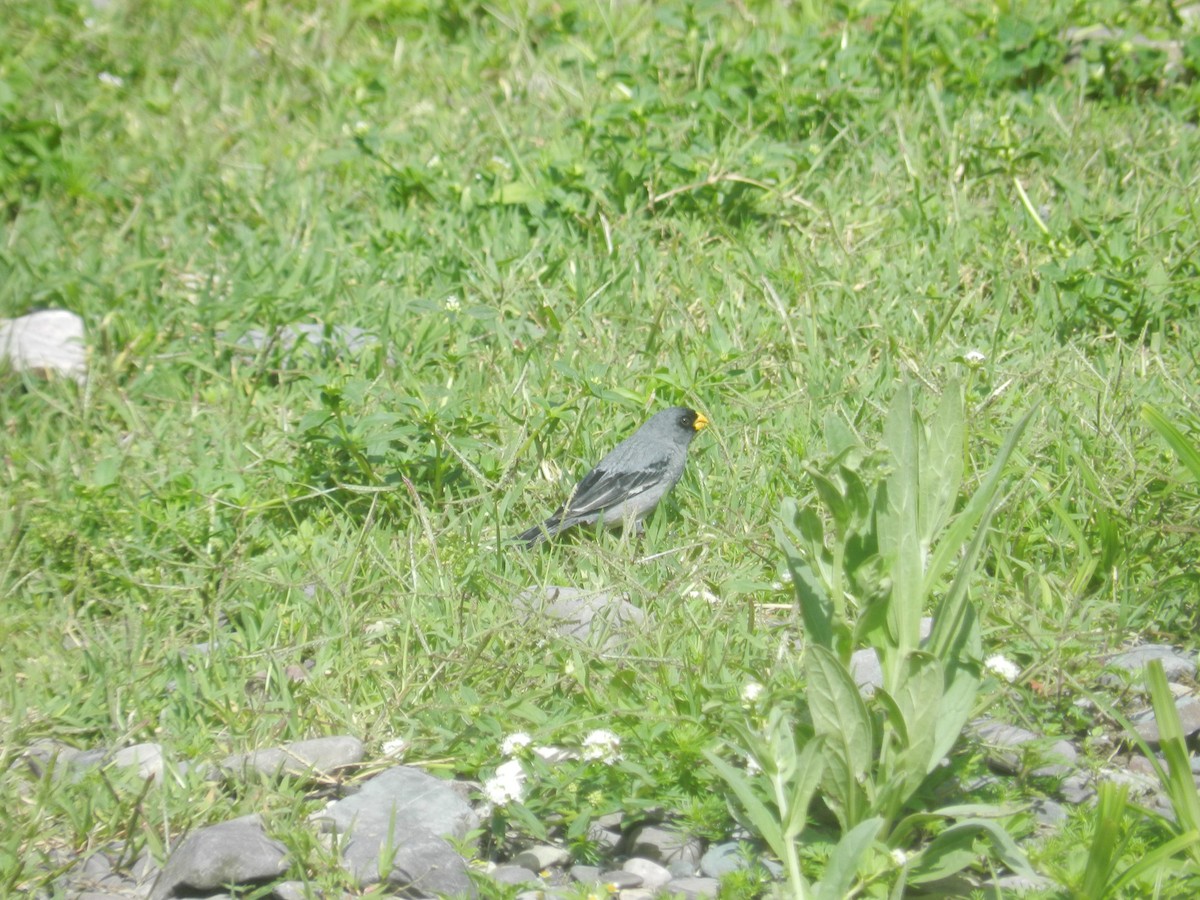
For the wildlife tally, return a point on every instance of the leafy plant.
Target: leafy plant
(864, 580)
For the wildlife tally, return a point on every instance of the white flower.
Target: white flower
(974, 358)
(507, 785)
(602, 745)
(751, 692)
(396, 747)
(514, 742)
(1002, 667)
(899, 857)
(111, 80)
(752, 766)
(452, 304)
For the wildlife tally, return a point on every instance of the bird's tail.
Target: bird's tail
(531, 537)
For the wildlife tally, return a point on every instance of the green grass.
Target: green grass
(559, 217)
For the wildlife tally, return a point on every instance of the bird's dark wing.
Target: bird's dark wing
(603, 489)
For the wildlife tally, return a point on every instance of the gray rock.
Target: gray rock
(307, 340)
(540, 857)
(401, 795)
(620, 879)
(318, 756)
(45, 343)
(401, 817)
(1003, 743)
(1076, 788)
(598, 618)
(652, 874)
(585, 874)
(1048, 812)
(146, 758)
(1176, 665)
(413, 859)
(606, 839)
(234, 852)
(1188, 708)
(721, 859)
(294, 890)
(866, 670)
(636, 894)
(665, 845)
(865, 667)
(692, 888)
(514, 875)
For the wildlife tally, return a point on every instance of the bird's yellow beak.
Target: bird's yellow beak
(701, 422)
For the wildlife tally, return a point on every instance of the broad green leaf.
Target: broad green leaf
(896, 522)
(942, 465)
(947, 853)
(838, 712)
(810, 766)
(843, 862)
(919, 697)
(816, 608)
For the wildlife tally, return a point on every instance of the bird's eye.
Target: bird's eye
(686, 420)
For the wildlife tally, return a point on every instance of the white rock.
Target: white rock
(49, 341)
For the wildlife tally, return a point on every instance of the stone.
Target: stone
(1176, 665)
(1048, 812)
(397, 824)
(619, 879)
(598, 618)
(514, 875)
(665, 845)
(1076, 788)
(691, 888)
(605, 839)
(652, 874)
(146, 758)
(1003, 742)
(46, 343)
(721, 859)
(402, 795)
(1188, 708)
(293, 890)
(585, 874)
(319, 756)
(412, 858)
(307, 341)
(541, 857)
(234, 852)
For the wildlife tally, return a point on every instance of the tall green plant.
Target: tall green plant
(891, 543)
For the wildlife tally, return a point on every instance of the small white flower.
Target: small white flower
(602, 745)
(750, 693)
(1002, 667)
(752, 766)
(974, 358)
(899, 857)
(396, 747)
(452, 304)
(514, 742)
(507, 785)
(111, 80)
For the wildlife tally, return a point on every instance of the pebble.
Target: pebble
(618, 879)
(317, 757)
(233, 852)
(541, 857)
(1175, 664)
(1188, 708)
(599, 618)
(691, 888)
(652, 874)
(665, 845)
(47, 342)
(510, 874)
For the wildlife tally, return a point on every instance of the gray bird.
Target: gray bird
(627, 484)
